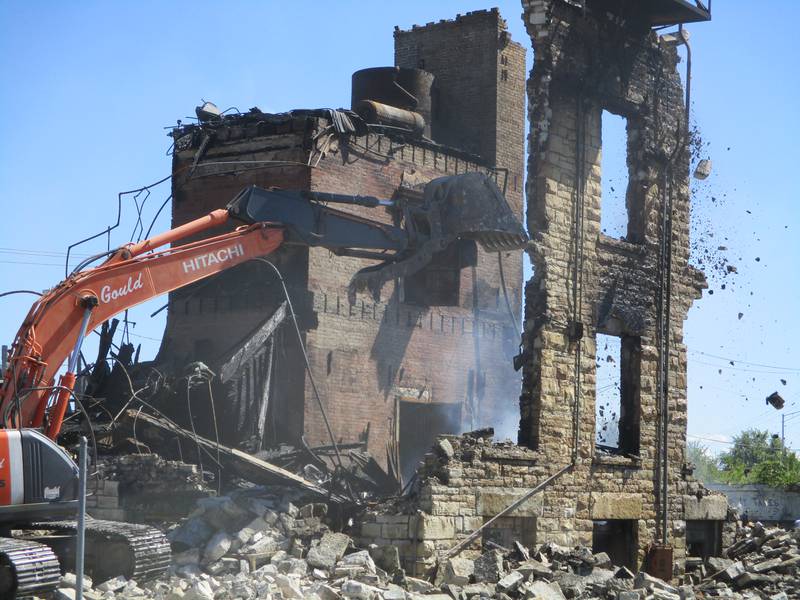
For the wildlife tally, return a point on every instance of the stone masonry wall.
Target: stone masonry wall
(585, 61)
(144, 488)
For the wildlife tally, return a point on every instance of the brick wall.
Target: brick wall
(367, 356)
(370, 354)
(478, 90)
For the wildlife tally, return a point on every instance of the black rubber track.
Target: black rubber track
(147, 548)
(28, 568)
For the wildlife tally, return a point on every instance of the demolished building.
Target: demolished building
(453, 103)
(632, 497)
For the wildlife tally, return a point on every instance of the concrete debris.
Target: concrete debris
(331, 548)
(270, 543)
(766, 559)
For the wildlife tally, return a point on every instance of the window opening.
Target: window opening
(617, 538)
(617, 398)
(704, 538)
(420, 424)
(439, 282)
(614, 215)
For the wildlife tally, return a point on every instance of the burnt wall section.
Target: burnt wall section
(379, 359)
(585, 283)
(383, 366)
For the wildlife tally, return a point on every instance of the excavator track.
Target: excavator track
(138, 552)
(27, 568)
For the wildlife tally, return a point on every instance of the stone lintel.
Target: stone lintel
(611, 505)
(490, 502)
(707, 508)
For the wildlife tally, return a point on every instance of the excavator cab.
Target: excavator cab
(38, 479)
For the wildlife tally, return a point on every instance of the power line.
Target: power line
(733, 443)
(24, 262)
(744, 362)
(743, 370)
(144, 337)
(35, 252)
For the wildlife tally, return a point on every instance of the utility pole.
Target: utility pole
(783, 429)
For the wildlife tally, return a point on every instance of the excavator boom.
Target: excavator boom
(86, 299)
(467, 206)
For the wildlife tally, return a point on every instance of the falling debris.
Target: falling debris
(703, 169)
(775, 400)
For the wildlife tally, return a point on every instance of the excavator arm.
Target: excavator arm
(467, 206)
(57, 323)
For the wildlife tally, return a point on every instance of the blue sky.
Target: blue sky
(90, 87)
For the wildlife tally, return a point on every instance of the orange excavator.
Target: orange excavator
(39, 480)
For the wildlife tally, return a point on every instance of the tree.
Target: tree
(759, 457)
(706, 468)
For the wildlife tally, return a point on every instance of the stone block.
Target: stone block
(394, 531)
(386, 557)
(372, 530)
(489, 567)
(434, 527)
(732, 572)
(707, 508)
(330, 549)
(648, 582)
(355, 590)
(543, 590)
(491, 502)
(194, 532)
(510, 582)
(457, 570)
(217, 547)
(717, 564)
(766, 565)
(609, 505)
(289, 587)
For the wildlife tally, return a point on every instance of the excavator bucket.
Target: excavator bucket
(468, 206)
(473, 207)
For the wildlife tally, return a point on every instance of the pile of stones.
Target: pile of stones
(254, 544)
(763, 560)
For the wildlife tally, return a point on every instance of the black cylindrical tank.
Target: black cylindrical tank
(409, 89)
(385, 114)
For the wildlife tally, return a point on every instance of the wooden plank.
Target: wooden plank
(157, 433)
(253, 344)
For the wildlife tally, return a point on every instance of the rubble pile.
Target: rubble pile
(268, 543)
(764, 559)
